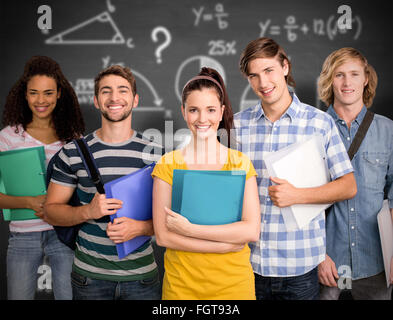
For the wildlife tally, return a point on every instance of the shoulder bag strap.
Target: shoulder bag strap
(360, 134)
(357, 141)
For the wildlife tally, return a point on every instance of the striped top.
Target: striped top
(95, 254)
(10, 140)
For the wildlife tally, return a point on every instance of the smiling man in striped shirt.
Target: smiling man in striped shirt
(286, 262)
(118, 150)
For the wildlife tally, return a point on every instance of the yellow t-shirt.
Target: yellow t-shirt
(205, 276)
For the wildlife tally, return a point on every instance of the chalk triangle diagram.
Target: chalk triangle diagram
(73, 34)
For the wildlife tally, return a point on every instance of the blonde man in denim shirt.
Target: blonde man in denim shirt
(347, 85)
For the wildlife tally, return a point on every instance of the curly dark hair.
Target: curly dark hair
(67, 116)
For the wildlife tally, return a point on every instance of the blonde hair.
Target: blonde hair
(336, 59)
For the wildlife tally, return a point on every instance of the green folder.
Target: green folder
(208, 197)
(22, 173)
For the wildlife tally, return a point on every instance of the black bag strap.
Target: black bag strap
(90, 165)
(357, 141)
(360, 134)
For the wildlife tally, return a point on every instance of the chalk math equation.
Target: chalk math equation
(291, 27)
(318, 27)
(216, 17)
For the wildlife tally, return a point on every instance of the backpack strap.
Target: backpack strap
(74, 201)
(89, 163)
(360, 134)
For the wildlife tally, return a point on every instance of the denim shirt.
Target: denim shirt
(351, 227)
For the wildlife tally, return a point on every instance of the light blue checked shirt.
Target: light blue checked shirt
(282, 253)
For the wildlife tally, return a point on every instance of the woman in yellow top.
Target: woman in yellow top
(206, 261)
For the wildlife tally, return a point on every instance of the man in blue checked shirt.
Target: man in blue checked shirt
(285, 262)
(347, 85)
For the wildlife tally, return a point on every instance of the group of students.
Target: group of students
(254, 258)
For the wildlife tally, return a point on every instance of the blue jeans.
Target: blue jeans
(304, 287)
(26, 271)
(85, 288)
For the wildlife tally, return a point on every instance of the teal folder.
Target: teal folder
(208, 197)
(22, 173)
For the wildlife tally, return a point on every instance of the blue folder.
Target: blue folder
(135, 190)
(208, 197)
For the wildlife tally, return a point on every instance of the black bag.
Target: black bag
(68, 235)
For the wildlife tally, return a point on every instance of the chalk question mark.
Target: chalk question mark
(165, 44)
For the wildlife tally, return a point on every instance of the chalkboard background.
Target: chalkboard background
(167, 42)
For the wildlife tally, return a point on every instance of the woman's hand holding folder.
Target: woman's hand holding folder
(177, 223)
(37, 204)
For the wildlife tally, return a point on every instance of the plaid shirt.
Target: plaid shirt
(282, 253)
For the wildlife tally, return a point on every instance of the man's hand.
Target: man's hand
(101, 206)
(283, 194)
(123, 229)
(327, 272)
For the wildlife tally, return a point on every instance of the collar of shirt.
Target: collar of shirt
(359, 118)
(291, 111)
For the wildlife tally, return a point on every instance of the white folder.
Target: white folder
(385, 226)
(304, 165)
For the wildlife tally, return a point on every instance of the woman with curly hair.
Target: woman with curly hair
(40, 110)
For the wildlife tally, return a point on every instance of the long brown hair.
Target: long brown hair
(226, 124)
(67, 116)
